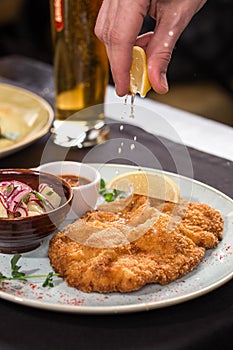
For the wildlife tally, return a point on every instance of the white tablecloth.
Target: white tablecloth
(175, 124)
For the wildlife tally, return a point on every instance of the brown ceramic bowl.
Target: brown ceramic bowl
(26, 233)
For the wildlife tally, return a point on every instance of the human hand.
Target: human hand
(118, 25)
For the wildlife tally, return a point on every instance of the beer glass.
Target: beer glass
(80, 61)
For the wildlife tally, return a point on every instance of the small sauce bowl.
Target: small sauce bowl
(85, 195)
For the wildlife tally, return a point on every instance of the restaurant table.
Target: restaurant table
(200, 323)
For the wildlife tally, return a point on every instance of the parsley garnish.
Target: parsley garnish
(49, 193)
(9, 188)
(18, 275)
(110, 195)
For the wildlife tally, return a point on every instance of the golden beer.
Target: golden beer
(80, 60)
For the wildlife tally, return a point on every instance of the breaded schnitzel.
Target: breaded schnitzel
(122, 247)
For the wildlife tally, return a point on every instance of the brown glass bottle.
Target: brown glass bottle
(80, 60)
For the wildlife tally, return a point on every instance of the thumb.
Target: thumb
(157, 65)
(158, 58)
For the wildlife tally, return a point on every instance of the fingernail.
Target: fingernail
(163, 80)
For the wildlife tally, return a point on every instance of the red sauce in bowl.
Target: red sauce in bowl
(75, 180)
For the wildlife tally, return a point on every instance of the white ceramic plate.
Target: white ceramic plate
(215, 269)
(24, 118)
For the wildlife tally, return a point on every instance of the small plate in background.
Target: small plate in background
(24, 118)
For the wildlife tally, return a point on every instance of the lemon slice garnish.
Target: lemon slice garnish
(147, 184)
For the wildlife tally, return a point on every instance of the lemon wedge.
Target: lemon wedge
(139, 81)
(147, 184)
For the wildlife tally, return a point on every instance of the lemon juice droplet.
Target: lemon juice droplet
(132, 106)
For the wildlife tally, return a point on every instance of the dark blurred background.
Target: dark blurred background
(200, 73)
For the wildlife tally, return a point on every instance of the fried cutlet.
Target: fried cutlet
(200, 222)
(122, 248)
